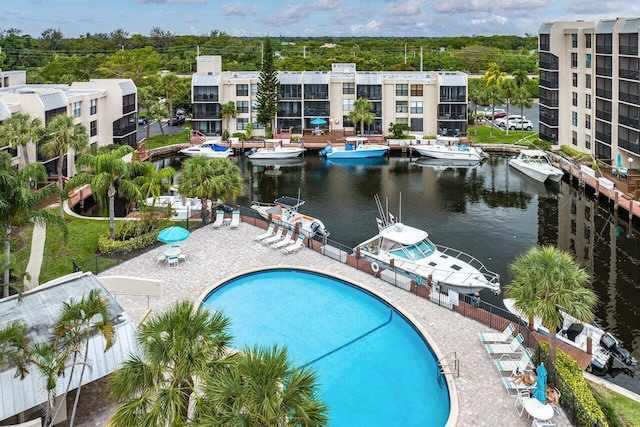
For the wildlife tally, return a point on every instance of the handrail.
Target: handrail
(444, 362)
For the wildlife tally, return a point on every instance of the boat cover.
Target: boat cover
(290, 202)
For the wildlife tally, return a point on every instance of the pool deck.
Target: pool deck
(215, 255)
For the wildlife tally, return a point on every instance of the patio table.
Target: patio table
(538, 410)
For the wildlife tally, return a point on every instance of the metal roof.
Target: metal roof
(545, 28)
(452, 79)
(127, 87)
(316, 77)
(39, 309)
(605, 26)
(630, 26)
(290, 78)
(206, 80)
(5, 113)
(369, 78)
(54, 100)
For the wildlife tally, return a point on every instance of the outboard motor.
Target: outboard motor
(250, 152)
(225, 208)
(609, 343)
(326, 150)
(318, 228)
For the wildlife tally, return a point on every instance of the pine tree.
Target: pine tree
(268, 88)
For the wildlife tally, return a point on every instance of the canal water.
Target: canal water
(489, 211)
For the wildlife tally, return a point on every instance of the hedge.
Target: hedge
(105, 244)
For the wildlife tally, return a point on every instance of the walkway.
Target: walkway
(218, 254)
(35, 258)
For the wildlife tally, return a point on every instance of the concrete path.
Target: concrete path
(35, 258)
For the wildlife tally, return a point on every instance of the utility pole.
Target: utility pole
(304, 52)
(262, 53)
(420, 58)
(405, 53)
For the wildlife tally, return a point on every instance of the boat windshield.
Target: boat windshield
(416, 252)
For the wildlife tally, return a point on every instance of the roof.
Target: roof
(38, 309)
(127, 87)
(5, 113)
(53, 101)
(605, 26)
(452, 79)
(206, 80)
(369, 78)
(290, 202)
(403, 234)
(630, 26)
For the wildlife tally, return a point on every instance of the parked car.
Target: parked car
(142, 120)
(175, 121)
(502, 121)
(496, 114)
(520, 124)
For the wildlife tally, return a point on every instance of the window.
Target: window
(254, 106)
(587, 121)
(574, 60)
(241, 123)
(587, 81)
(574, 41)
(416, 90)
(348, 88)
(574, 99)
(254, 89)
(587, 58)
(587, 100)
(587, 41)
(77, 109)
(574, 137)
(93, 128)
(574, 118)
(402, 90)
(402, 107)
(416, 107)
(93, 108)
(575, 79)
(416, 124)
(402, 120)
(587, 141)
(242, 106)
(347, 104)
(242, 90)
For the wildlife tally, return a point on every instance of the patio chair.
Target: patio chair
(160, 257)
(498, 337)
(219, 219)
(270, 232)
(524, 363)
(173, 261)
(182, 256)
(539, 423)
(299, 244)
(235, 219)
(277, 236)
(288, 239)
(516, 387)
(522, 396)
(510, 350)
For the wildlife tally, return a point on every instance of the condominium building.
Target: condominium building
(590, 86)
(428, 102)
(106, 107)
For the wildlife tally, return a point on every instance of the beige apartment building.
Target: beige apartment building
(106, 107)
(429, 103)
(590, 87)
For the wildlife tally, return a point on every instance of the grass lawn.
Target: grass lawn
(157, 141)
(500, 136)
(627, 411)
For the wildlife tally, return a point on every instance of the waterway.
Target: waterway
(490, 211)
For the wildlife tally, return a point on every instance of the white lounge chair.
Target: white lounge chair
(511, 349)
(498, 337)
(516, 387)
(299, 244)
(524, 364)
(270, 232)
(219, 219)
(288, 239)
(235, 219)
(274, 238)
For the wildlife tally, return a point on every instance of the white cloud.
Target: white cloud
(238, 9)
(366, 29)
(291, 14)
(406, 13)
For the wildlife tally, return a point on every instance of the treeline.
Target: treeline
(53, 58)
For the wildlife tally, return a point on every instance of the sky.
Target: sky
(305, 18)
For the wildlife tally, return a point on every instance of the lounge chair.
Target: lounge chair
(516, 387)
(299, 244)
(173, 261)
(219, 219)
(270, 232)
(235, 219)
(511, 349)
(498, 337)
(277, 236)
(524, 363)
(523, 396)
(160, 257)
(288, 239)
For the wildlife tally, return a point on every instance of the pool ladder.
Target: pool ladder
(448, 365)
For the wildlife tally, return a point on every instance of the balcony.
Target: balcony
(549, 121)
(205, 97)
(125, 130)
(128, 108)
(604, 115)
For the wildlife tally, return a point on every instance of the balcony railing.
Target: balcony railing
(604, 115)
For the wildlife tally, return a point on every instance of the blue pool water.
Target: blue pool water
(374, 368)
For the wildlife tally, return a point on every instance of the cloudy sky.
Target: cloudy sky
(428, 18)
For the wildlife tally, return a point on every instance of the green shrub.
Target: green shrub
(295, 138)
(240, 135)
(106, 245)
(574, 383)
(248, 130)
(225, 135)
(573, 154)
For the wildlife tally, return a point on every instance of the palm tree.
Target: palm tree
(546, 279)
(169, 86)
(62, 135)
(157, 111)
(228, 110)
(362, 112)
(19, 204)
(108, 174)
(508, 89)
(14, 348)
(154, 181)
(206, 178)
(177, 346)
(493, 79)
(522, 99)
(477, 96)
(261, 388)
(145, 101)
(44, 357)
(78, 321)
(19, 130)
(520, 78)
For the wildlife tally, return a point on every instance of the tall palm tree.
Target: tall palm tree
(169, 86)
(177, 346)
(493, 79)
(62, 135)
(108, 174)
(14, 348)
(520, 78)
(228, 182)
(19, 130)
(477, 96)
(78, 321)
(546, 279)
(19, 204)
(154, 180)
(49, 366)
(158, 111)
(145, 100)
(227, 111)
(362, 112)
(261, 388)
(508, 89)
(522, 99)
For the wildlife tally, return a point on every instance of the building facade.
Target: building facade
(429, 103)
(590, 87)
(107, 108)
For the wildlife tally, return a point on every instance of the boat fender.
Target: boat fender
(375, 267)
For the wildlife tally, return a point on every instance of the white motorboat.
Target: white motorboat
(444, 164)
(284, 212)
(208, 149)
(415, 255)
(449, 148)
(356, 147)
(604, 346)
(535, 164)
(275, 151)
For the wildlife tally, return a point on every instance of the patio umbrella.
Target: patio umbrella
(541, 384)
(318, 121)
(173, 234)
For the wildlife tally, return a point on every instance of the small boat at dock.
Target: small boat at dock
(536, 165)
(356, 147)
(284, 212)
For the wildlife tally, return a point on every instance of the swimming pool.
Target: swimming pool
(374, 368)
